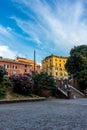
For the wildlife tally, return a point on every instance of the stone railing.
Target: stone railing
(70, 92)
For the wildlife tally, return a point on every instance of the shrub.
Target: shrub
(2, 73)
(44, 81)
(2, 93)
(7, 82)
(22, 84)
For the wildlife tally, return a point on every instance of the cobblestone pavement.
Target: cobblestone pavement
(52, 114)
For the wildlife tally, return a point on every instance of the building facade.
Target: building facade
(55, 66)
(33, 65)
(19, 67)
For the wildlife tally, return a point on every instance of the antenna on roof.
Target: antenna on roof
(16, 56)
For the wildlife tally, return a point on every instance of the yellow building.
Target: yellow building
(55, 66)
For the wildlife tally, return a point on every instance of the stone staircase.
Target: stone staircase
(75, 93)
(71, 93)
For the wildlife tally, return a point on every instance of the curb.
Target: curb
(21, 100)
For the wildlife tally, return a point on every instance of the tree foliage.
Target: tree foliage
(82, 50)
(2, 73)
(22, 84)
(44, 81)
(76, 64)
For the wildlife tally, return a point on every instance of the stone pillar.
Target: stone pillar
(69, 93)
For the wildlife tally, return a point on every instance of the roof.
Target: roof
(25, 60)
(19, 60)
(12, 61)
(52, 55)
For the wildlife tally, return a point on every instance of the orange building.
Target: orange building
(19, 66)
(31, 63)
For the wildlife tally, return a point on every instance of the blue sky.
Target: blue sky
(47, 26)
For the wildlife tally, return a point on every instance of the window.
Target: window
(14, 67)
(50, 64)
(30, 67)
(56, 64)
(46, 61)
(25, 66)
(61, 74)
(50, 61)
(25, 70)
(6, 66)
(47, 66)
(60, 69)
(56, 73)
(51, 73)
(56, 68)
(60, 65)
(50, 69)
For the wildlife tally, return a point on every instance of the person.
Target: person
(68, 87)
(65, 86)
(68, 91)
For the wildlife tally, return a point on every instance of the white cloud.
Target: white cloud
(9, 29)
(4, 30)
(6, 52)
(61, 26)
(53, 28)
(13, 44)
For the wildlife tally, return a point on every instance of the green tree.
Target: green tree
(2, 73)
(82, 49)
(44, 81)
(76, 64)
